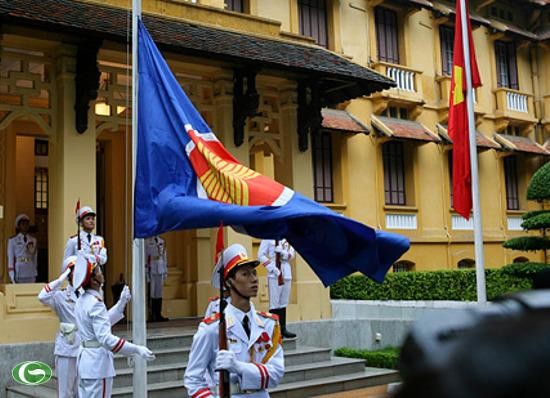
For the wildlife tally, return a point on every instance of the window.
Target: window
(403, 266)
(513, 130)
(40, 147)
(234, 5)
(313, 20)
(446, 38)
(394, 173)
(41, 188)
(507, 72)
(511, 177)
(321, 143)
(386, 35)
(520, 260)
(466, 263)
(396, 112)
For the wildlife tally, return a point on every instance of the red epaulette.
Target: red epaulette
(268, 315)
(212, 318)
(213, 298)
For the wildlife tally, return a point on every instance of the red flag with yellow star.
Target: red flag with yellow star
(458, 117)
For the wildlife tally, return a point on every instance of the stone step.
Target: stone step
(174, 371)
(367, 378)
(169, 355)
(296, 389)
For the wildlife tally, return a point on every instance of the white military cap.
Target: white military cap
(232, 257)
(21, 217)
(83, 270)
(83, 212)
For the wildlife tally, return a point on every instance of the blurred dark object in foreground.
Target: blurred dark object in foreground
(500, 350)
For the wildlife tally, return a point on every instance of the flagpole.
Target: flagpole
(478, 232)
(139, 331)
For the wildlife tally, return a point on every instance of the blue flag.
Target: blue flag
(186, 179)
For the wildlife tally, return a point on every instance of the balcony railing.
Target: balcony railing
(404, 78)
(401, 221)
(517, 102)
(460, 223)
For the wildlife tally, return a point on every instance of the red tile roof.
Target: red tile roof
(482, 141)
(334, 119)
(520, 144)
(405, 129)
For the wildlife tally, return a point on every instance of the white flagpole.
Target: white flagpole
(139, 331)
(478, 231)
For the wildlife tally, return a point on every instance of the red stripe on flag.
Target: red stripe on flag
(458, 117)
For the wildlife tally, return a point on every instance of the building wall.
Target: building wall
(358, 173)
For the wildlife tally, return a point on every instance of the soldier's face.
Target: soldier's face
(23, 226)
(246, 281)
(88, 222)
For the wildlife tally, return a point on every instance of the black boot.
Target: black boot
(160, 318)
(284, 332)
(153, 311)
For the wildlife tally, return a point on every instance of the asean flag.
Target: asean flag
(186, 179)
(458, 117)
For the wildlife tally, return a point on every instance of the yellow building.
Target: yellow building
(324, 123)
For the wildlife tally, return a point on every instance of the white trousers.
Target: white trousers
(157, 283)
(95, 388)
(67, 381)
(278, 295)
(31, 279)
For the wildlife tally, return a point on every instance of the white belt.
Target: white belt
(24, 260)
(235, 388)
(68, 331)
(91, 344)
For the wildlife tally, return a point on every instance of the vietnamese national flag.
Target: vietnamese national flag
(458, 117)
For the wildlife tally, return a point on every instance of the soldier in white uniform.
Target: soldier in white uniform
(22, 253)
(157, 272)
(275, 256)
(255, 356)
(95, 363)
(91, 244)
(67, 341)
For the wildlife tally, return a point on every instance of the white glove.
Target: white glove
(276, 271)
(91, 258)
(125, 295)
(64, 275)
(12, 276)
(278, 249)
(164, 276)
(227, 360)
(145, 353)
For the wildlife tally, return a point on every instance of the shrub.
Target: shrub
(385, 358)
(527, 243)
(457, 285)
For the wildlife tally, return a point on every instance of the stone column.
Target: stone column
(305, 283)
(72, 161)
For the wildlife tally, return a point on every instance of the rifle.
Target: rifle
(280, 280)
(79, 245)
(224, 388)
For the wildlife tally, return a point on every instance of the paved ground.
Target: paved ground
(370, 392)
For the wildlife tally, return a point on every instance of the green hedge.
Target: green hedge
(457, 285)
(527, 243)
(524, 270)
(538, 221)
(539, 187)
(385, 358)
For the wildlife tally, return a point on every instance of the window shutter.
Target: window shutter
(513, 68)
(386, 35)
(313, 20)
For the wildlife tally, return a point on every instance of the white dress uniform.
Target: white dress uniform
(67, 341)
(214, 305)
(95, 363)
(22, 258)
(262, 354)
(93, 246)
(157, 265)
(278, 294)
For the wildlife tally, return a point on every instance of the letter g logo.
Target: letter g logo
(31, 373)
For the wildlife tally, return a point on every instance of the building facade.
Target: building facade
(300, 90)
